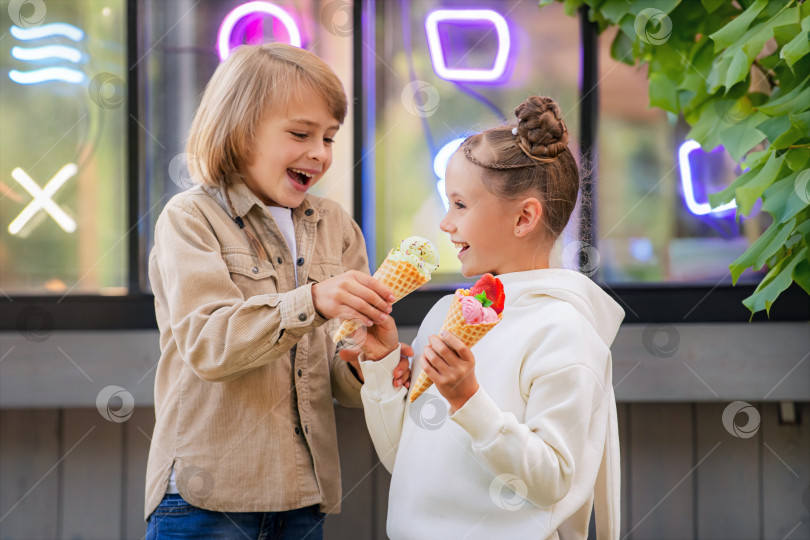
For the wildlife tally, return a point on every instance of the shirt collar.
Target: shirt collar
(244, 200)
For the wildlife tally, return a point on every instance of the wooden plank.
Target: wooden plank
(728, 485)
(687, 363)
(78, 364)
(29, 458)
(753, 362)
(786, 473)
(382, 485)
(91, 506)
(625, 435)
(137, 431)
(357, 462)
(661, 479)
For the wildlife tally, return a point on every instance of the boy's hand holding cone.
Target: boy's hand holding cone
(404, 270)
(473, 313)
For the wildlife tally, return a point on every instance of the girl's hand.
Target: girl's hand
(402, 373)
(378, 341)
(353, 295)
(451, 366)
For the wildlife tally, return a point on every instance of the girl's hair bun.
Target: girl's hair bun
(541, 130)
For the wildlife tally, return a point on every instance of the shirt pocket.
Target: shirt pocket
(323, 269)
(250, 274)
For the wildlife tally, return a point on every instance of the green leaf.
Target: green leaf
(733, 64)
(748, 194)
(544, 3)
(755, 159)
(801, 275)
(796, 158)
(712, 5)
(705, 130)
(793, 100)
(737, 27)
(482, 297)
(798, 46)
(737, 69)
(738, 140)
(799, 129)
(663, 92)
(773, 127)
(614, 10)
(622, 49)
(782, 199)
(774, 283)
(762, 249)
(741, 134)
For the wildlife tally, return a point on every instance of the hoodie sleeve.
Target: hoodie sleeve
(384, 405)
(563, 387)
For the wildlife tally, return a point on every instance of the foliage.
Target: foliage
(702, 56)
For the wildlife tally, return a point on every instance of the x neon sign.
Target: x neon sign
(43, 199)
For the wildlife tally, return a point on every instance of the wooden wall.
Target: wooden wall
(69, 473)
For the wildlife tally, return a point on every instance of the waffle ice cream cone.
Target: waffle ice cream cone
(454, 322)
(400, 275)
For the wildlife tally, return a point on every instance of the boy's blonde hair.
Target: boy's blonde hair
(253, 78)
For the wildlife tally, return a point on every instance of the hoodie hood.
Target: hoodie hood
(604, 314)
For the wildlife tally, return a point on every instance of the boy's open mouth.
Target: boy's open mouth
(300, 177)
(461, 247)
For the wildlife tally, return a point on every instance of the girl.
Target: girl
(523, 440)
(246, 270)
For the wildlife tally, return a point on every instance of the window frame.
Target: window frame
(643, 303)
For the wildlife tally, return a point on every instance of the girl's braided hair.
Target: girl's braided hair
(530, 157)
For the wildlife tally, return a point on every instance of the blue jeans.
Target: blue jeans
(174, 518)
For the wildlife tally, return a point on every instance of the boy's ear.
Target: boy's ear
(529, 217)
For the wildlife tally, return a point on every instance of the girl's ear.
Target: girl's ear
(530, 212)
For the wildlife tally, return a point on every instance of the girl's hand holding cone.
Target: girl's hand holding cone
(451, 366)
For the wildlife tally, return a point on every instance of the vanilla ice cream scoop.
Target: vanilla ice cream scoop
(418, 251)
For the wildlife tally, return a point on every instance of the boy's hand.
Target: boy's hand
(402, 373)
(353, 295)
(451, 366)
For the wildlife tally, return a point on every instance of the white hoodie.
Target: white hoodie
(530, 453)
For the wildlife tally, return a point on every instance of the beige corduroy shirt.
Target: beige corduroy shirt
(247, 371)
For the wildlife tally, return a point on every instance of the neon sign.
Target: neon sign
(469, 17)
(687, 183)
(48, 52)
(43, 199)
(226, 29)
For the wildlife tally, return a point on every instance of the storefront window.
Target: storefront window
(63, 147)
(181, 49)
(443, 70)
(654, 223)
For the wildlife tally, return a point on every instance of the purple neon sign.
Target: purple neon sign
(688, 185)
(477, 17)
(231, 23)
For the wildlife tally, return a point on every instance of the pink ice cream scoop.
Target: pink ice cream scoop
(474, 312)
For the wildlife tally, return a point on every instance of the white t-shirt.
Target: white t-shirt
(283, 218)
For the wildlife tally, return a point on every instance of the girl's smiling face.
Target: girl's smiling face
(491, 233)
(293, 150)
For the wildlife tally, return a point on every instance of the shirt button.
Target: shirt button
(299, 372)
(278, 260)
(309, 211)
(300, 261)
(255, 269)
(302, 316)
(297, 430)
